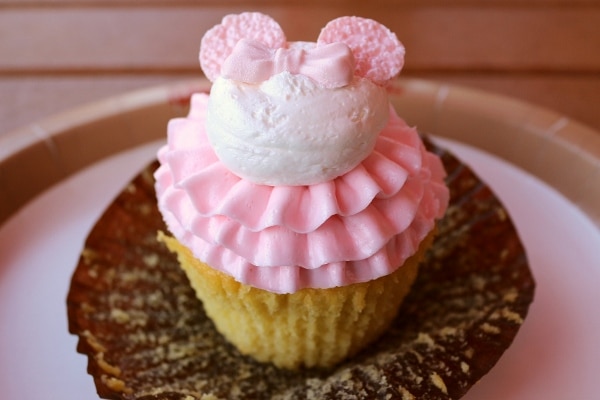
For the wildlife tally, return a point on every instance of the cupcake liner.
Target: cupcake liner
(146, 337)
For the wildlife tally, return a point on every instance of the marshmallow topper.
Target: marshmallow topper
(251, 46)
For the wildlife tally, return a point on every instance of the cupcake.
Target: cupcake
(297, 202)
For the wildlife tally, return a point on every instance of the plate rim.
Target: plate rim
(526, 135)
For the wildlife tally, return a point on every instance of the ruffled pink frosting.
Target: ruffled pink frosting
(354, 228)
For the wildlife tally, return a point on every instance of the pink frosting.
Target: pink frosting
(357, 227)
(331, 65)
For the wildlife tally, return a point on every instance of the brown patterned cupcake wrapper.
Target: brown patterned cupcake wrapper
(145, 336)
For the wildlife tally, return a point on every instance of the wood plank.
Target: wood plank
(575, 96)
(26, 100)
(32, 98)
(438, 38)
(250, 4)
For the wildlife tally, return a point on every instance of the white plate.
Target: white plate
(554, 355)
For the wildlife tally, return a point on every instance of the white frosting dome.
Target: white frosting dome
(289, 130)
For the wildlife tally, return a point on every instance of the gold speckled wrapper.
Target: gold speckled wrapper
(145, 336)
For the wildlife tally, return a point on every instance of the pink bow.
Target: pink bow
(331, 65)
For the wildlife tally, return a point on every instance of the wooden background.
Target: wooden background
(57, 54)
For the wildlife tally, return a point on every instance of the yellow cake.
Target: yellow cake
(311, 327)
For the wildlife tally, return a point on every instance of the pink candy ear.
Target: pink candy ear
(378, 54)
(219, 41)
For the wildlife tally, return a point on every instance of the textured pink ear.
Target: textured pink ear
(218, 42)
(378, 54)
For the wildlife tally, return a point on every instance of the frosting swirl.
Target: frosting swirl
(356, 227)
